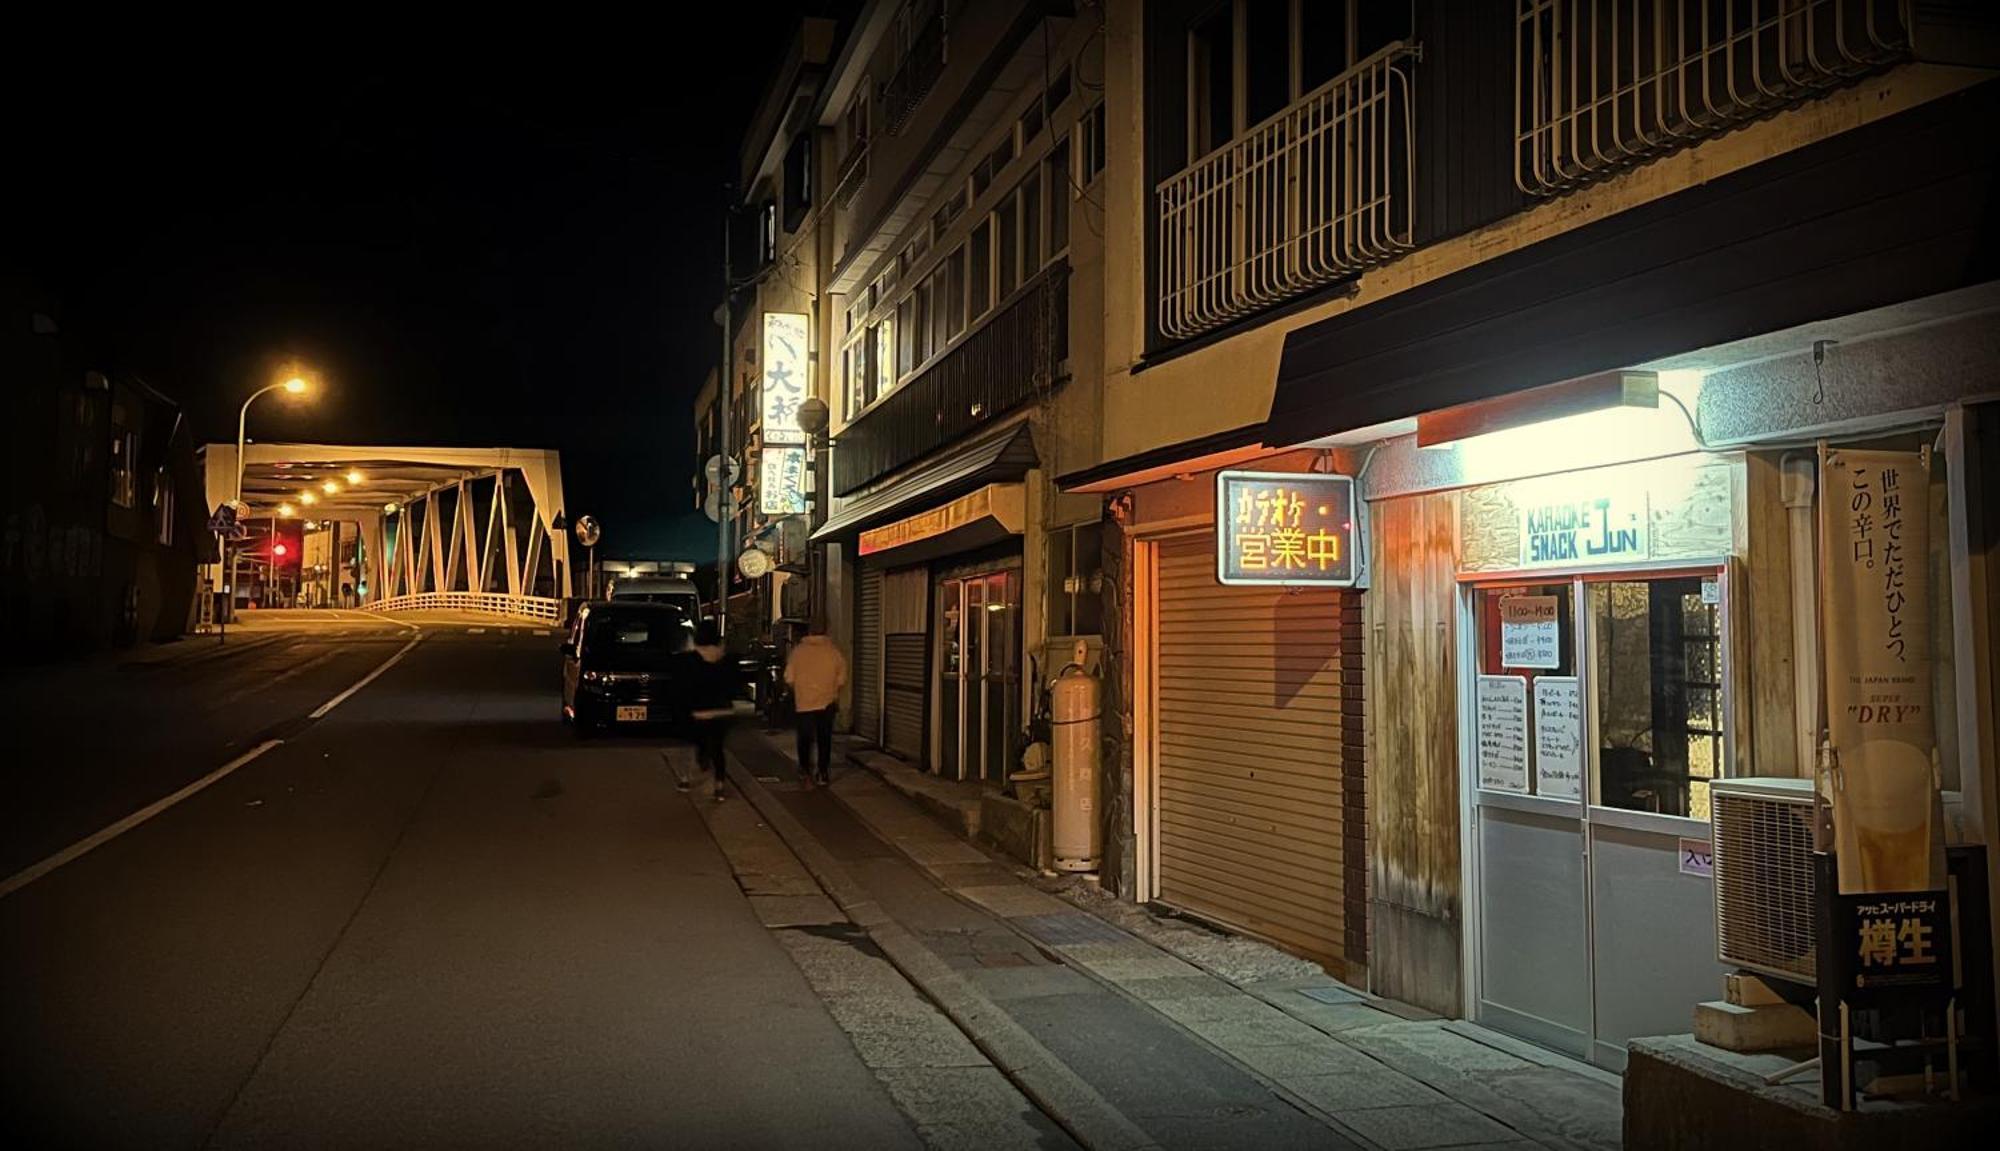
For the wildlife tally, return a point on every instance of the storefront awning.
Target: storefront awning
(973, 520)
(1004, 456)
(1894, 211)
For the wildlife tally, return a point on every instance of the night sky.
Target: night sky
(515, 245)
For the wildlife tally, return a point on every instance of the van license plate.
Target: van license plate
(636, 713)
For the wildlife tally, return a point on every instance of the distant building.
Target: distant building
(103, 518)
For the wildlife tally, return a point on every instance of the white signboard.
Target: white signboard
(1503, 732)
(1593, 528)
(784, 377)
(1558, 737)
(1697, 858)
(781, 482)
(1530, 631)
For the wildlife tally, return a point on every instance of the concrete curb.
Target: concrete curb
(1063, 1095)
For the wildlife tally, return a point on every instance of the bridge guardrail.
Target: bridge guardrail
(488, 603)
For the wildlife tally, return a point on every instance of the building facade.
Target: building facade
(1591, 310)
(104, 520)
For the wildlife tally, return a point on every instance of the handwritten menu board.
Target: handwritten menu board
(1530, 632)
(1558, 737)
(1503, 732)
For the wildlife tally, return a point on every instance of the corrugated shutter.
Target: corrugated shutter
(1247, 751)
(868, 657)
(906, 596)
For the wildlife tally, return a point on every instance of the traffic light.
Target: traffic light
(279, 550)
(287, 543)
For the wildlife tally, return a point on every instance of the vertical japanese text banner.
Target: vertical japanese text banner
(785, 377)
(1875, 613)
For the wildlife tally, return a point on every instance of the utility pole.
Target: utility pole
(725, 394)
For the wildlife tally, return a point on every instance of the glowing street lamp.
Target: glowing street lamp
(308, 499)
(353, 478)
(292, 386)
(287, 511)
(329, 487)
(390, 508)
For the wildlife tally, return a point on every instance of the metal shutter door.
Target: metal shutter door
(906, 597)
(868, 657)
(1247, 747)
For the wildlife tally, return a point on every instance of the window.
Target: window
(854, 125)
(124, 465)
(1248, 60)
(1060, 191)
(885, 358)
(905, 335)
(980, 277)
(1002, 153)
(798, 180)
(1031, 225)
(1652, 653)
(1031, 123)
(946, 213)
(920, 323)
(982, 176)
(1212, 82)
(163, 507)
(1092, 128)
(1074, 581)
(1058, 91)
(767, 232)
(1009, 215)
(954, 293)
(1657, 665)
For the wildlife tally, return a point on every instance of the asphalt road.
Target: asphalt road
(430, 918)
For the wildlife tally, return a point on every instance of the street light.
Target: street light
(329, 487)
(295, 386)
(287, 511)
(353, 478)
(308, 499)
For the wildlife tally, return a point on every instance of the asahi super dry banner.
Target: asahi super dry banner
(1875, 611)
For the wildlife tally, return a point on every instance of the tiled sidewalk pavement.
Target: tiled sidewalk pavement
(1385, 1072)
(951, 1093)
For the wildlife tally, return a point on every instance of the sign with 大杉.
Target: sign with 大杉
(1876, 601)
(785, 377)
(1284, 528)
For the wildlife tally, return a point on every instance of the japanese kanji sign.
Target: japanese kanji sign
(1288, 528)
(1875, 590)
(784, 376)
(781, 483)
(1898, 941)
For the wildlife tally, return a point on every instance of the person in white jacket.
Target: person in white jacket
(815, 671)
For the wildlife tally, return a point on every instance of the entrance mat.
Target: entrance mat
(1069, 928)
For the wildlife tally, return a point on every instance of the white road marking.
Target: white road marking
(475, 631)
(320, 711)
(543, 631)
(23, 878)
(406, 625)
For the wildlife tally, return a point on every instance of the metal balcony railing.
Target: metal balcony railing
(1603, 84)
(917, 73)
(1005, 362)
(1313, 195)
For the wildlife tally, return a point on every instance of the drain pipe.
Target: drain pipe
(1800, 477)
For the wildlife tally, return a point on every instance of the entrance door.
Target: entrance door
(979, 673)
(1596, 721)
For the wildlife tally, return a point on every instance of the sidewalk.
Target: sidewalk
(1384, 1072)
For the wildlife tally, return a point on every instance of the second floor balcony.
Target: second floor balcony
(1015, 356)
(1313, 195)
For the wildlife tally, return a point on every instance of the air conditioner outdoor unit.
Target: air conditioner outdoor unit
(1763, 850)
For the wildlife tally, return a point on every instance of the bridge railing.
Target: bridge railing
(488, 603)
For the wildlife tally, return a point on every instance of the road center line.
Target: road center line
(320, 711)
(28, 875)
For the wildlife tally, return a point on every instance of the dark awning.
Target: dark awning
(1894, 211)
(1005, 455)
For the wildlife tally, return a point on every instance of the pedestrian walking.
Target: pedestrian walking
(815, 671)
(712, 689)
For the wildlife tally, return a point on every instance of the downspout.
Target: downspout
(1800, 478)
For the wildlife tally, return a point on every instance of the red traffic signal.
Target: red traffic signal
(279, 550)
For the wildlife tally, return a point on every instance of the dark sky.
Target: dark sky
(511, 245)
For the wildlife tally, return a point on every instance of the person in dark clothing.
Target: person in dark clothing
(712, 688)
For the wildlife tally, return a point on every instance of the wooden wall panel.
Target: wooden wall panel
(1411, 673)
(1761, 624)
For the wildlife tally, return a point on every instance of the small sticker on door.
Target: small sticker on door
(1711, 591)
(1697, 858)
